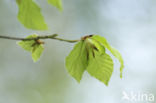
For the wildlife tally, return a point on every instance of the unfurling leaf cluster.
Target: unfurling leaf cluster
(35, 47)
(89, 55)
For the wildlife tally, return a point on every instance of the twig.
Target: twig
(53, 36)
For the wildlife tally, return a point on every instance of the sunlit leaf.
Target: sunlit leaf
(76, 61)
(30, 16)
(103, 41)
(56, 3)
(100, 66)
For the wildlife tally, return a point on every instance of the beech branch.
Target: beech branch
(53, 36)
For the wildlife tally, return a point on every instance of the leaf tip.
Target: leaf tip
(78, 81)
(121, 75)
(57, 4)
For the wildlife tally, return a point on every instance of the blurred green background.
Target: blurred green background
(129, 25)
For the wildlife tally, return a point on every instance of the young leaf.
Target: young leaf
(100, 65)
(56, 3)
(33, 47)
(103, 41)
(28, 45)
(76, 61)
(37, 51)
(30, 16)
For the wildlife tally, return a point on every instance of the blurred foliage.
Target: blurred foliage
(56, 3)
(30, 14)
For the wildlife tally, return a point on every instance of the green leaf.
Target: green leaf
(33, 47)
(100, 66)
(56, 3)
(103, 41)
(37, 51)
(30, 16)
(96, 45)
(28, 45)
(76, 61)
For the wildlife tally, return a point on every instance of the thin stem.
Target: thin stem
(70, 41)
(53, 36)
